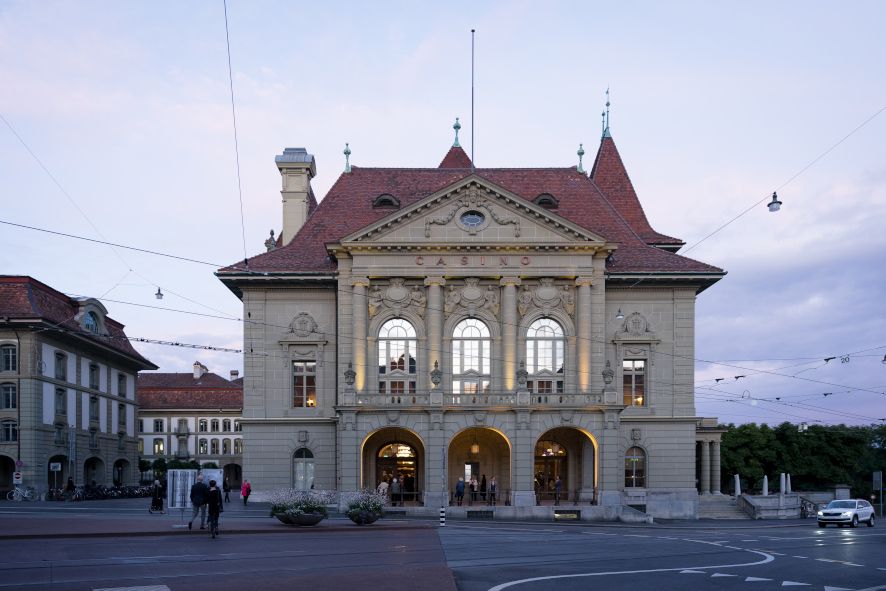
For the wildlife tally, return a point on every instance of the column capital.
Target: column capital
(505, 281)
(441, 281)
(580, 281)
(360, 281)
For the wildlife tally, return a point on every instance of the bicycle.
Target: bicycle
(21, 494)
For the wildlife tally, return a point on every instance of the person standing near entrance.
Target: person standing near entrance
(483, 488)
(199, 492)
(245, 491)
(473, 486)
(493, 488)
(459, 491)
(558, 487)
(395, 491)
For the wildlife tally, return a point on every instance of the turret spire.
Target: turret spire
(606, 116)
(347, 154)
(581, 153)
(456, 126)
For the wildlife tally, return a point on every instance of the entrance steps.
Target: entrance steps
(719, 507)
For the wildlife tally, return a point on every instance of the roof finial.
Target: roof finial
(456, 126)
(581, 153)
(606, 116)
(347, 154)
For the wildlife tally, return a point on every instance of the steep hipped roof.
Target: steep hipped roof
(25, 299)
(169, 391)
(580, 200)
(456, 158)
(611, 176)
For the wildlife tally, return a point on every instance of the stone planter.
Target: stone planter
(363, 517)
(305, 519)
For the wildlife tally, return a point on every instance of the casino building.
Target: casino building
(526, 324)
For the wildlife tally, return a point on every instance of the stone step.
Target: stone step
(719, 507)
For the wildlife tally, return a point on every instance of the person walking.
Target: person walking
(493, 488)
(156, 498)
(245, 491)
(226, 487)
(70, 487)
(215, 505)
(558, 487)
(459, 490)
(199, 492)
(395, 491)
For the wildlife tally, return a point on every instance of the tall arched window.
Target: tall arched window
(226, 446)
(8, 397)
(203, 447)
(635, 468)
(203, 426)
(213, 447)
(544, 356)
(302, 469)
(214, 425)
(8, 358)
(238, 447)
(471, 357)
(396, 358)
(226, 425)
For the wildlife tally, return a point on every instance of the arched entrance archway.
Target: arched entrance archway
(570, 455)
(58, 478)
(234, 475)
(480, 453)
(93, 471)
(393, 452)
(121, 472)
(7, 467)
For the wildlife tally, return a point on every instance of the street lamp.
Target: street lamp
(775, 204)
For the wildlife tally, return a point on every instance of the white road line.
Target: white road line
(793, 584)
(142, 588)
(689, 571)
(755, 579)
(766, 559)
(722, 575)
(803, 557)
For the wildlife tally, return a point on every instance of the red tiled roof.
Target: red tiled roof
(580, 200)
(610, 175)
(456, 158)
(158, 391)
(25, 298)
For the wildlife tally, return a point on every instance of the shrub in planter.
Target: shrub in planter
(366, 506)
(300, 507)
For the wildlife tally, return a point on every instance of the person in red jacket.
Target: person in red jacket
(245, 490)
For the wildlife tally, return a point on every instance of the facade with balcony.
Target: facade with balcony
(67, 390)
(192, 416)
(526, 325)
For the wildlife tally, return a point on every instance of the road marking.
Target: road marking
(836, 589)
(766, 559)
(689, 571)
(754, 579)
(793, 584)
(142, 588)
(826, 560)
(722, 575)
(748, 540)
(803, 557)
(776, 553)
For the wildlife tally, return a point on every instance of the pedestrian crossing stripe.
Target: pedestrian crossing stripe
(722, 575)
(755, 579)
(689, 571)
(794, 584)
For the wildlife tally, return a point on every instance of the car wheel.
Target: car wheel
(871, 521)
(855, 521)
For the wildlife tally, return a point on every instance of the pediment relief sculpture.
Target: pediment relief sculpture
(473, 297)
(303, 325)
(398, 297)
(473, 205)
(636, 327)
(546, 296)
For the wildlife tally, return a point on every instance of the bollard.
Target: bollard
(442, 516)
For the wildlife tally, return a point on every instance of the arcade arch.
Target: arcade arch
(569, 454)
(478, 452)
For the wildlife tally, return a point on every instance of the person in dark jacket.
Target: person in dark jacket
(199, 492)
(459, 491)
(215, 505)
(156, 498)
(227, 490)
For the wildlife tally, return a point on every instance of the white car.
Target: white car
(849, 511)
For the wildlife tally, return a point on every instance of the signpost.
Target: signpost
(16, 477)
(878, 486)
(55, 468)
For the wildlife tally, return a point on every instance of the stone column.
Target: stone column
(737, 486)
(434, 320)
(765, 485)
(583, 322)
(509, 331)
(715, 467)
(359, 343)
(705, 468)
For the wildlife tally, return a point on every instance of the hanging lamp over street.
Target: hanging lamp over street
(775, 204)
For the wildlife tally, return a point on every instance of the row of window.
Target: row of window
(8, 358)
(471, 362)
(60, 430)
(203, 425)
(9, 363)
(204, 446)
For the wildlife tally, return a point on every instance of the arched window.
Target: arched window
(8, 431)
(226, 425)
(203, 426)
(214, 425)
(471, 357)
(203, 447)
(635, 468)
(213, 447)
(226, 446)
(8, 358)
(544, 356)
(546, 200)
(396, 358)
(158, 447)
(302, 469)
(238, 447)
(90, 322)
(237, 425)
(8, 397)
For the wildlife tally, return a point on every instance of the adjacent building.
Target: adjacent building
(192, 416)
(67, 389)
(526, 324)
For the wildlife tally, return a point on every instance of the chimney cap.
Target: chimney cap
(296, 158)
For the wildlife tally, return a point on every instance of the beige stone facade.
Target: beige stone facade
(601, 402)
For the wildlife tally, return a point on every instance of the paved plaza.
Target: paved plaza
(118, 545)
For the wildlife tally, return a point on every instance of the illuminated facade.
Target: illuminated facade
(451, 322)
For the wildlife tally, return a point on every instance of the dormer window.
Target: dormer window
(547, 201)
(386, 200)
(90, 322)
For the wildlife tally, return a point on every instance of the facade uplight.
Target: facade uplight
(619, 316)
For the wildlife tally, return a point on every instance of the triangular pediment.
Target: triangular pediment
(473, 212)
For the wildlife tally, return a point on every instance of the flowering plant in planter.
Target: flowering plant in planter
(366, 506)
(291, 503)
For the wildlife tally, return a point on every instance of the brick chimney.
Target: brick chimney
(297, 168)
(235, 374)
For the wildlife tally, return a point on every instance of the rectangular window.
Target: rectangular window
(121, 415)
(93, 376)
(121, 385)
(397, 388)
(61, 366)
(545, 386)
(9, 431)
(158, 426)
(141, 425)
(203, 447)
(93, 408)
(8, 397)
(61, 402)
(59, 434)
(634, 372)
(8, 358)
(93, 438)
(304, 384)
(158, 447)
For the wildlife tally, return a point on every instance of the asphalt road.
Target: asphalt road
(474, 556)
